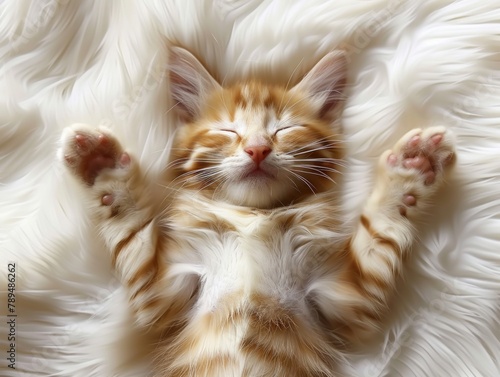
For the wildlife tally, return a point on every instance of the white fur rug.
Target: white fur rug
(412, 64)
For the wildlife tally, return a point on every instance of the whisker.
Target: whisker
(180, 161)
(174, 164)
(319, 148)
(321, 168)
(288, 83)
(332, 143)
(197, 172)
(336, 163)
(296, 187)
(308, 184)
(317, 173)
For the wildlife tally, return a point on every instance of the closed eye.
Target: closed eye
(287, 128)
(228, 130)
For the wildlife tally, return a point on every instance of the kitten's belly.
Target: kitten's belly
(251, 316)
(252, 336)
(249, 257)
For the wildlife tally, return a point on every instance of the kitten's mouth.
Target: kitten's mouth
(258, 173)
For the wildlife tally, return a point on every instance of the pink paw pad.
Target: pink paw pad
(103, 139)
(413, 162)
(436, 139)
(414, 141)
(409, 200)
(81, 141)
(392, 159)
(417, 162)
(125, 159)
(91, 151)
(107, 199)
(422, 153)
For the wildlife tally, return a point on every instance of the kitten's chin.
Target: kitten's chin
(257, 177)
(258, 189)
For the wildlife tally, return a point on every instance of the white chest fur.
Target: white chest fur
(245, 252)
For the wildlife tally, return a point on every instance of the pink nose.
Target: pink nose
(259, 153)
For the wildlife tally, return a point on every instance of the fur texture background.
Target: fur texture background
(412, 64)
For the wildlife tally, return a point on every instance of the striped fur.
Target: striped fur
(256, 276)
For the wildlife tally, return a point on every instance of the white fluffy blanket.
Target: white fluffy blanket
(412, 64)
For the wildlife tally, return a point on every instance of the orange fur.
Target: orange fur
(247, 269)
(201, 146)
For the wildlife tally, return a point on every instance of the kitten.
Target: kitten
(246, 269)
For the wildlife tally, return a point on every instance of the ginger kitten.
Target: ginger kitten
(247, 270)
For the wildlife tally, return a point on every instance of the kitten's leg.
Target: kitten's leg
(407, 179)
(122, 213)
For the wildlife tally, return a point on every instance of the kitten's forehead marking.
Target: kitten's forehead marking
(256, 116)
(256, 124)
(254, 95)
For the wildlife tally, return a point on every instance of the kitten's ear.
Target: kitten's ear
(325, 83)
(189, 83)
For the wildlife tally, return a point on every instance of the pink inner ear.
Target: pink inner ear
(181, 89)
(335, 97)
(189, 83)
(180, 84)
(328, 76)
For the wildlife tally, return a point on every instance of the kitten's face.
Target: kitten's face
(257, 145)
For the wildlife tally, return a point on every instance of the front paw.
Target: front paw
(417, 164)
(87, 152)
